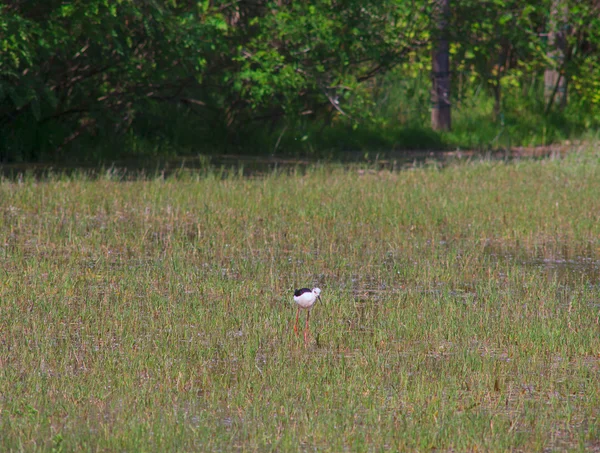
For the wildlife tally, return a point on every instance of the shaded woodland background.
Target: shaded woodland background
(96, 80)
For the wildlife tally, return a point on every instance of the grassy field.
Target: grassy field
(460, 310)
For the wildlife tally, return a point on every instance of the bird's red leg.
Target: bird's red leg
(306, 327)
(296, 324)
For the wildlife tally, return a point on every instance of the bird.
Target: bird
(305, 298)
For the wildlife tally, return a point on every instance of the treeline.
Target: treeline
(84, 72)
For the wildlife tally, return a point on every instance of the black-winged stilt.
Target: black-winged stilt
(305, 298)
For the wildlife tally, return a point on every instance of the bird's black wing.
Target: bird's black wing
(299, 292)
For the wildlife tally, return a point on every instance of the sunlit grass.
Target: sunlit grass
(460, 310)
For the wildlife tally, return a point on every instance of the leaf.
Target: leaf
(505, 18)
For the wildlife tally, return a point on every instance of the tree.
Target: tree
(555, 81)
(441, 107)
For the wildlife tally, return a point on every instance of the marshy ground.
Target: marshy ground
(460, 309)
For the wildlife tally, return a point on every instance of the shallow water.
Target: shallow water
(559, 262)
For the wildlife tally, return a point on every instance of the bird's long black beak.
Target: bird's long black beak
(319, 297)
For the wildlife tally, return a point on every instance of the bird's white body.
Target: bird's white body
(306, 298)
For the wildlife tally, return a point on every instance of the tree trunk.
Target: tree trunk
(497, 100)
(555, 84)
(498, 72)
(440, 98)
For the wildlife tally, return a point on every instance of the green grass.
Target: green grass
(459, 313)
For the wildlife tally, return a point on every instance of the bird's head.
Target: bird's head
(317, 292)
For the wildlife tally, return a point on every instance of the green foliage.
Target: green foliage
(504, 43)
(306, 55)
(94, 65)
(85, 79)
(584, 42)
(499, 39)
(89, 68)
